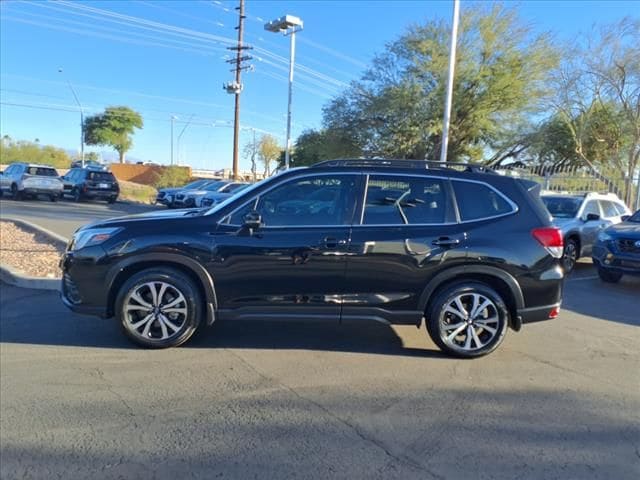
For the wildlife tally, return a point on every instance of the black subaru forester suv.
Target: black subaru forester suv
(469, 251)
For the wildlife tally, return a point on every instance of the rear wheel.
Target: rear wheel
(15, 193)
(609, 276)
(76, 195)
(468, 319)
(569, 255)
(53, 198)
(159, 308)
(112, 200)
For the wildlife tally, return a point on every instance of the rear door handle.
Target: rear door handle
(446, 242)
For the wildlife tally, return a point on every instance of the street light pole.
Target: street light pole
(75, 96)
(173, 117)
(180, 135)
(288, 25)
(450, 77)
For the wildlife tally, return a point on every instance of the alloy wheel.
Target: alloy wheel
(155, 311)
(570, 256)
(469, 322)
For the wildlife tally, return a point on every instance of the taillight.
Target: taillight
(551, 239)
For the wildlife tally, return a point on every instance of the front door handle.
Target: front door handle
(446, 242)
(332, 242)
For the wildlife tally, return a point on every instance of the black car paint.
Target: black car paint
(88, 187)
(330, 273)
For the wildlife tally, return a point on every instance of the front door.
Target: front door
(293, 264)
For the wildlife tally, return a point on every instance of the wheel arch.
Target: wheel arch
(575, 236)
(503, 282)
(120, 272)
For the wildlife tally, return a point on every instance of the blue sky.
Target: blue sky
(167, 58)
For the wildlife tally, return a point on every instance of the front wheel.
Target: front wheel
(53, 198)
(15, 193)
(159, 308)
(468, 319)
(76, 195)
(609, 276)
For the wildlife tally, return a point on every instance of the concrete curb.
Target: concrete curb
(13, 277)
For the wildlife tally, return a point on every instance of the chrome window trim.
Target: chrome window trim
(320, 174)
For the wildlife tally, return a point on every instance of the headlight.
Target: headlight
(93, 236)
(604, 237)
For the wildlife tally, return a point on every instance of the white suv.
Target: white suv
(581, 217)
(22, 179)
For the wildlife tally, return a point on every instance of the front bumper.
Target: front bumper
(82, 281)
(606, 256)
(185, 203)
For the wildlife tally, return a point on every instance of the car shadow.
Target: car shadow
(38, 317)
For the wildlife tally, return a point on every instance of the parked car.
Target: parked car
(581, 218)
(90, 183)
(193, 198)
(28, 179)
(617, 250)
(89, 164)
(166, 195)
(213, 198)
(471, 252)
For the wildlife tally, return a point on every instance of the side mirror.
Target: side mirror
(624, 218)
(252, 220)
(592, 217)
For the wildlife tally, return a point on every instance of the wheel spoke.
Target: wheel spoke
(141, 308)
(474, 306)
(139, 323)
(450, 326)
(456, 312)
(161, 293)
(491, 330)
(163, 328)
(181, 310)
(136, 296)
(479, 309)
(169, 323)
(460, 306)
(145, 332)
(456, 332)
(483, 321)
(475, 337)
(174, 302)
(154, 293)
(467, 342)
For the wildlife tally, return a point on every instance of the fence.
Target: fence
(583, 180)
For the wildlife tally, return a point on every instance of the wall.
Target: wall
(144, 174)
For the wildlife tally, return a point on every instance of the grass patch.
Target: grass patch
(135, 192)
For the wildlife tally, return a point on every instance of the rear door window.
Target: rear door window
(608, 209)
(393, 200)
(477, 201)
(591, 207)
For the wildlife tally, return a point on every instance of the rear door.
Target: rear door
(591, 228)
(406, 230)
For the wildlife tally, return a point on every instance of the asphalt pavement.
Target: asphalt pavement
(558, 400)
(65, 217)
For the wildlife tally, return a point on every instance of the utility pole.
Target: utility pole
(235, 87)
(452, 66)
(75, 96)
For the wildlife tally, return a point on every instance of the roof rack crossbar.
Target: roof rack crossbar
(404, 163)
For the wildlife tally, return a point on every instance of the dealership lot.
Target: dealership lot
(561, 399)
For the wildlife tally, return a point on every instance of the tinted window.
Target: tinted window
(42, 171)
(400, 201)
(322, 200)
(608, 209)
(236, 187)
(476, 201)
(100, 176)
(620, 209)
(562, 207)
(591, 207)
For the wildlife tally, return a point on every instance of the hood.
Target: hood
(196, 193)
(625, 229)
(160, 214)
(217, 195)
(170, 191)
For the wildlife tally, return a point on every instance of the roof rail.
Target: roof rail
(404, 163)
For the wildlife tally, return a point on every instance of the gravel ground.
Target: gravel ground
(28, 252)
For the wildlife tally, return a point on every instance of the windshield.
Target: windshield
(43, 172)
(196, 184)
(635, 217)
(214, 187)
(237, 187)
(562, 207)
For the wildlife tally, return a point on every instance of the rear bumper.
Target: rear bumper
(100, 193)
(42, 191)
(538, 314)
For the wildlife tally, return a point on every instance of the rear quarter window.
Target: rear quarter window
(42, 171)
(477, 201)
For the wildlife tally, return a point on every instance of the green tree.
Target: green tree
(268, 152)
(313, 146)
(396, 108)
(173, 176)
(114, 128)
(25, 151)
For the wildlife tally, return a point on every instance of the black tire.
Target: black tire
(76, 195)
(609, 276)
(438, 318)
(177, 281)
(15, 193)
(112, 200)
(570, 255)
(53, 198)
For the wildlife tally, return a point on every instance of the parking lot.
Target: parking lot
(560, 399)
